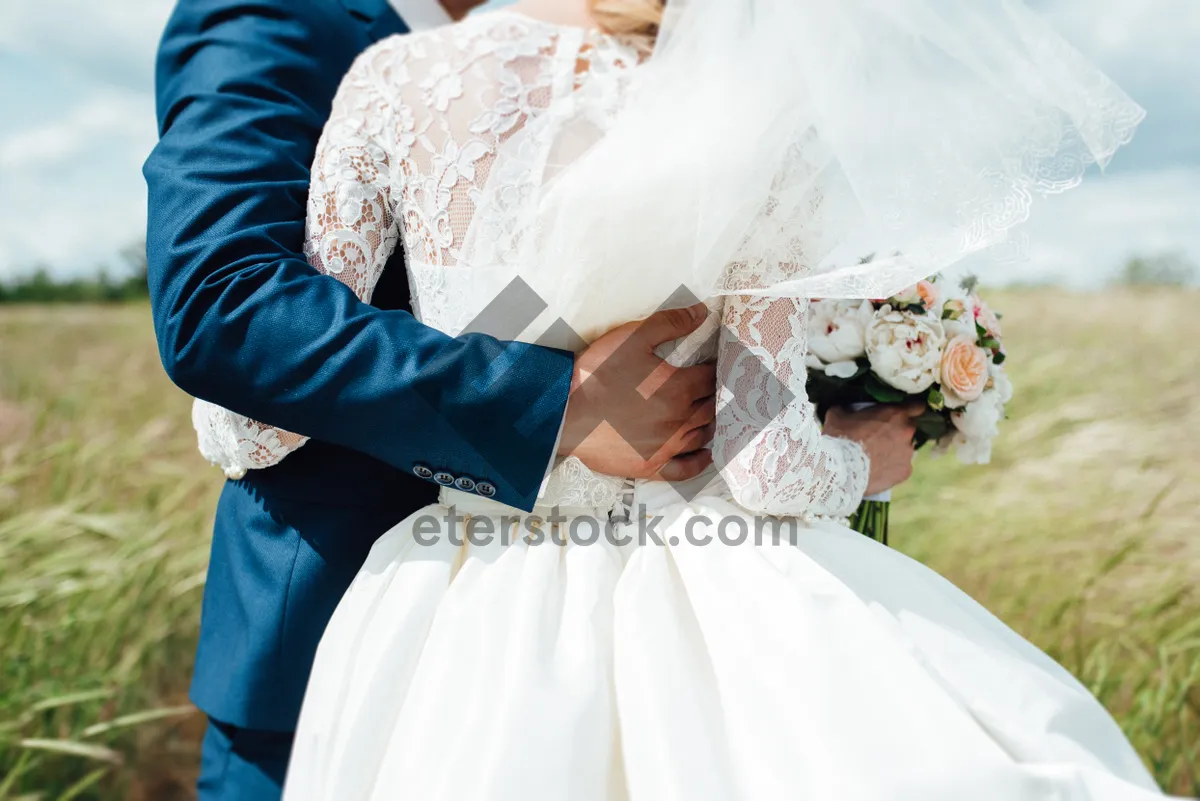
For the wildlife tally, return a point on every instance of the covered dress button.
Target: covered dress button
(465, 484)
(423, 472)
(443, 478)
(485, 489)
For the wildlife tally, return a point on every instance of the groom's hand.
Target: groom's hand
(632, 414)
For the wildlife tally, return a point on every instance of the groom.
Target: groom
(394, 408)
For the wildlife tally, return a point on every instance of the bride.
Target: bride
(728, 639)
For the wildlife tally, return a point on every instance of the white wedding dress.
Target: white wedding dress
(693, 667)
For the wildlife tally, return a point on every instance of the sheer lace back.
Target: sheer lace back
(415, 130)
(406, 160)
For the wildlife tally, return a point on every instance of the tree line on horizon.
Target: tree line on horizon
(41, 286)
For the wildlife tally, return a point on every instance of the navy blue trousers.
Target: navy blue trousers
(242, 764)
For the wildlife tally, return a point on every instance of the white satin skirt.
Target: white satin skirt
(829, 667)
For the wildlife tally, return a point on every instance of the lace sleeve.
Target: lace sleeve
(235, 443)
(768, 443)
(350, 232)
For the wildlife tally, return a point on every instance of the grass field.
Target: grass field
(1081, 534)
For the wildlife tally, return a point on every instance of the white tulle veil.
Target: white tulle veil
(766, 146)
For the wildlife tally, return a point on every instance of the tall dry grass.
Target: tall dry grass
(104, 511)
(1081, 534)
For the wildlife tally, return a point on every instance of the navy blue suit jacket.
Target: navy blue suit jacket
(244, 88)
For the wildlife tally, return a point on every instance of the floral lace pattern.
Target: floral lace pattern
(406, 160)
(573, 484)
(236, 443)
(768, 444)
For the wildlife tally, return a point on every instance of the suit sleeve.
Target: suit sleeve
(244, 322)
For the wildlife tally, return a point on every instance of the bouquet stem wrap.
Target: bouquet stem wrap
(871, 518)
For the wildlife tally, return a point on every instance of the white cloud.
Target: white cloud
(80, 73)
(106, 114)
(1082, 237)
(111, 41)
(72, 193)
(1146, 31)
(1149, 47)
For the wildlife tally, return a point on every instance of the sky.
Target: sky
(76, 89)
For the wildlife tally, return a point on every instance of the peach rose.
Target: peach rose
(964, 371)
(929, 295)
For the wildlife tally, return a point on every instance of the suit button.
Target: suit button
(465, 484)
(485, 489)
(422, 471)
(443, 478)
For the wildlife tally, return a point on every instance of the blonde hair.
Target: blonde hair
(638, 18)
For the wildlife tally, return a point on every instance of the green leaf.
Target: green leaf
(936, 399)
(10, 781)
(85, 750)
(999, 357)
(137, 719)
(72, 699)
(883, 393)
(933, 425)
(990, 344)
(77, 789)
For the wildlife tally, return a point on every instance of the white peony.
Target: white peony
(974, 451)
(905, 349)
(1001, 382)
(837, 335)
(978, 424)
(981, 419)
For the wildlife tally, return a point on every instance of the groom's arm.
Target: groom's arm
(243, 321)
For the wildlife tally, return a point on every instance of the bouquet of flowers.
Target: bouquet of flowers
(935, 342)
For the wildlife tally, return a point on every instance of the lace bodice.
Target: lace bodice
(404, 162)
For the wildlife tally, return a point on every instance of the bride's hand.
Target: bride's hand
(886, 434)
(613, 428)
